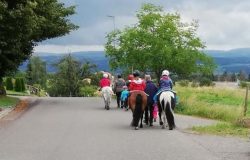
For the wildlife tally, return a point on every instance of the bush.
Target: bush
(195, 84)
(9, 84)
(88, 91)
(244, 84)
(22, 84)
(18, 85)
(184, 83)
(206, 82)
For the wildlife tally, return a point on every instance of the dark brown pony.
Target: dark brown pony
(137, 103)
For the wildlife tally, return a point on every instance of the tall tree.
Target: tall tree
(24, 23)
(158, 41)
(87, 69)
(66, 81)
(36, 72)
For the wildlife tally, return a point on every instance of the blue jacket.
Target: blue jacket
(151, 90)
(124, 95)
(165, 83)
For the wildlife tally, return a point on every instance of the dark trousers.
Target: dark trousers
(125, 104)
(149, 113)
(118, 98)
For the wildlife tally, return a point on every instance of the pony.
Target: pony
(137, 103)
(166, 105)
(107, 95)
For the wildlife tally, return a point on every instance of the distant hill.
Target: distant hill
(231, 61)
(96, 57)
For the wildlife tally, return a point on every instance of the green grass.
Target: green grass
(223, 129)
(6, 102)
(17, 93)
(214, 103)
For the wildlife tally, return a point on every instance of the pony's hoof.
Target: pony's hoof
(170, 128)
(136, 128)
(141, 126)
(161, 123)
(150, 124)
(163, 127)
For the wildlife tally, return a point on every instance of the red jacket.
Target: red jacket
(137, 85)
(104, 82)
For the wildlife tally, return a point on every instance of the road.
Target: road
(80, 129)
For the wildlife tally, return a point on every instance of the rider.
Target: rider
(105, 81)
(130, 78)
(137, 83)
(165, 84)
(118, 88)
(151, 90)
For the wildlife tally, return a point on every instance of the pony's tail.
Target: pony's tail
(138, 109)
(170, 115)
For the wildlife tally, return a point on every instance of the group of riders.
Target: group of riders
(123, 88)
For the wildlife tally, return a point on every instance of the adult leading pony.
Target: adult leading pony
(137, 103)
(166, 105)
(107, 95)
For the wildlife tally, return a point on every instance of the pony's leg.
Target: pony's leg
(170, 117)
(141, 126)
(164, 120)
(160, 120)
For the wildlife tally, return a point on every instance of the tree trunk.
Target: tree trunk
(2, 89)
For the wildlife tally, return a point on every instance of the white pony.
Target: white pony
(166, 107)
(107, 95)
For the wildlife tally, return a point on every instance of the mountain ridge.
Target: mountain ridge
(233, 60)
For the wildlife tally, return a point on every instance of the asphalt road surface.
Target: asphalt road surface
(80, 129)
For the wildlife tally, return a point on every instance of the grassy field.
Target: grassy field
(6, 102)
(212, 102)
(222, 104)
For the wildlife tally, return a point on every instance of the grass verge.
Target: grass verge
(223, 129)
(14, 93)
(6, 102)
(222, 104)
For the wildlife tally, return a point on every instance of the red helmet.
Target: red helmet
(130, 77)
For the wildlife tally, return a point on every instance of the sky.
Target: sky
(223, 24)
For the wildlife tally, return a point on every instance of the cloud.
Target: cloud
(223, 24)
(60, 49)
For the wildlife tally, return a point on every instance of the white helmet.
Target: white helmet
(165, 73)
(105, 75)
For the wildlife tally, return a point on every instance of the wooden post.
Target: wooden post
(246, 100)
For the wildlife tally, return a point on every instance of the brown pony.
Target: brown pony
(137, 103)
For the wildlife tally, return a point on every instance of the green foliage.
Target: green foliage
(9, 83)
(183, 83)
(158, 36)
(95, 79)
(18, 85)
(36, 72)
(22, 84)
(23, 24)
(66, 82)
(206, 82)
(88, 91)
(223, 129)
(88, 69)
(244, 84)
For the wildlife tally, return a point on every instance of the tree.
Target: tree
(158, 41)
(9, 83)
(66, 81)
(36, 72)
(87, 69)
(25, 23)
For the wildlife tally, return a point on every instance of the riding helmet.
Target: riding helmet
(136, 73)
(165, 73)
